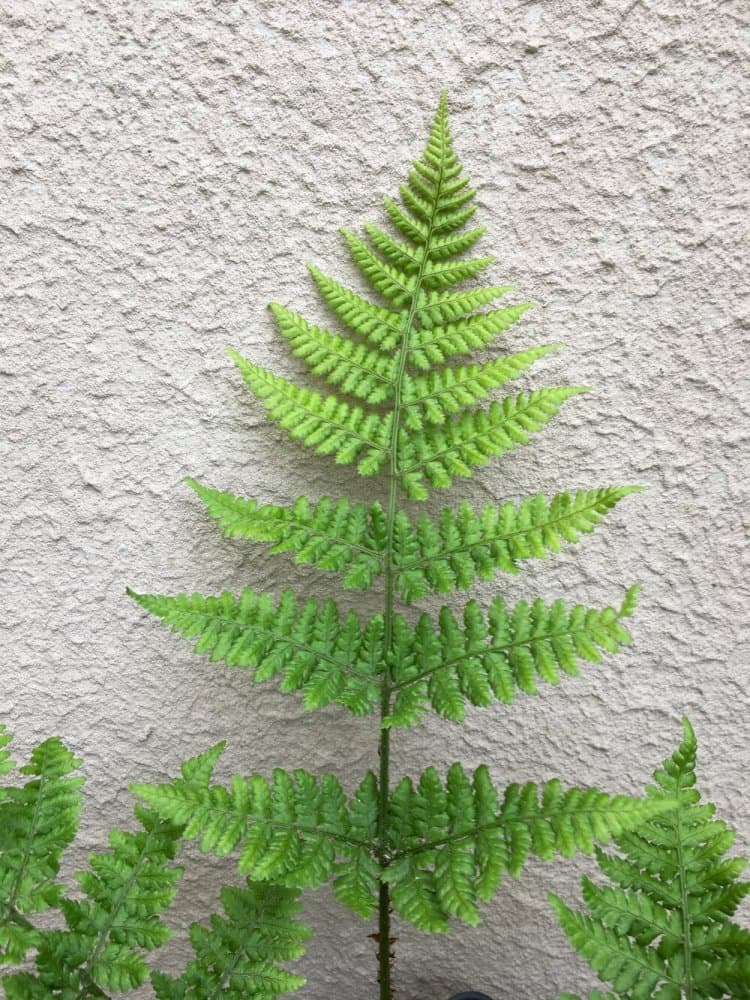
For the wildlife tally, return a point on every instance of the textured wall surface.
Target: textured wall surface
(166, 171)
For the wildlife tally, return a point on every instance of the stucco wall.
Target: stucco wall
(168, 168)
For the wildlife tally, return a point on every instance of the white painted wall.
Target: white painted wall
(168, 169)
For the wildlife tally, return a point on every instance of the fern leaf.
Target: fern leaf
(493, 658)
(465, 545)
(390, 281)
(451, 843)
(339, 536)
(37, 822)
(446, 391)
(288, 830)
(357, 880)
(326, 656)
(435, 345)
(440, 454)
(238, 954)
(117, 921)
(323, 423)
(355, 369)
(381, 327)
(674, 892)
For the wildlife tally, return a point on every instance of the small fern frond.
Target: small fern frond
(664, 928)
(327, 656)
(452, 843)
(339, 536)
(37, 822)
(496, 657)
(465, 545)
(440, 454)
(355, 369)
(447, 391)
(323, 423)
(238, 955)
(357, 880)
(116, 922)
(288, 830)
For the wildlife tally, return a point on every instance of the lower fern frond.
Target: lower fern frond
(664, 929)
(117, 921)
(289, 830)
(452, 843)
(37, 822)
(238, 955)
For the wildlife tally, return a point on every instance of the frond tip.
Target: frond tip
(663, 928)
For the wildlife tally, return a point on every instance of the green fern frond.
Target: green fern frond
(428, 347)
(446, 391)
(495, 657)
(664, 928)
(381, 327)
(6, 761)
(439, 454)
(464, 545)
(37, 822)
(117, 921)
(327, 656)
(288, 830)
(238, 955)
(323, 423)
(452, 843)
(339, 536)
(353, 368)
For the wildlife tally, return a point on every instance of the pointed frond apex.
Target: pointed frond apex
(663, 929)
(38, 821)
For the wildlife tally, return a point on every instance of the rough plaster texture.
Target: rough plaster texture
(166, 170)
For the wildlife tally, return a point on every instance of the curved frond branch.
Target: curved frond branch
(355, 369)
(381, 327)
(289, 830)
(452, 842)
(465, 545)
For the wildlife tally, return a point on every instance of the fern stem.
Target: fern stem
(385, 958)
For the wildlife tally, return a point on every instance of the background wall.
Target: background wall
(167, 169)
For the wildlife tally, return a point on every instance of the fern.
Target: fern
(109, 930)
(395, 391)
(37, 822)
(238, 955)
(664, 928)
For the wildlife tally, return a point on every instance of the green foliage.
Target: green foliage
(392, 395)
(37, 822)
(238, 955)
(663, 929)
(123, 893)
